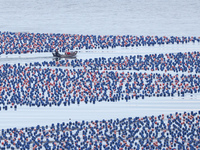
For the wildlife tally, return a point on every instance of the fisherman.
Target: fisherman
(57, 53)
(67, 52)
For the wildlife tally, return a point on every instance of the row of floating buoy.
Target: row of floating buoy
(174, 131)
(175, 62)
(36, 86)
(18, 43)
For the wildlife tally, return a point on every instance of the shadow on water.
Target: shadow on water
(59, 58)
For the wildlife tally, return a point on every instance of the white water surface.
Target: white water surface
(102, 17)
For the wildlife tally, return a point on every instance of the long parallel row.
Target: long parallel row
(178, 131)
(37, 86)
(18, 43)
(176, 62)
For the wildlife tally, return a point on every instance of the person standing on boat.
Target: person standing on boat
(57, 53)
(67, 52)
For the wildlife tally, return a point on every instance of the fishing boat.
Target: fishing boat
(66, 55)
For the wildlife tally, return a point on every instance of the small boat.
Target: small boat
(67, 55)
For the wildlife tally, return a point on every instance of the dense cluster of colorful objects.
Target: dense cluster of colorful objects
(179, 62)
(77, 81)
(18, 43)
(178, 131)
(52, 83)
